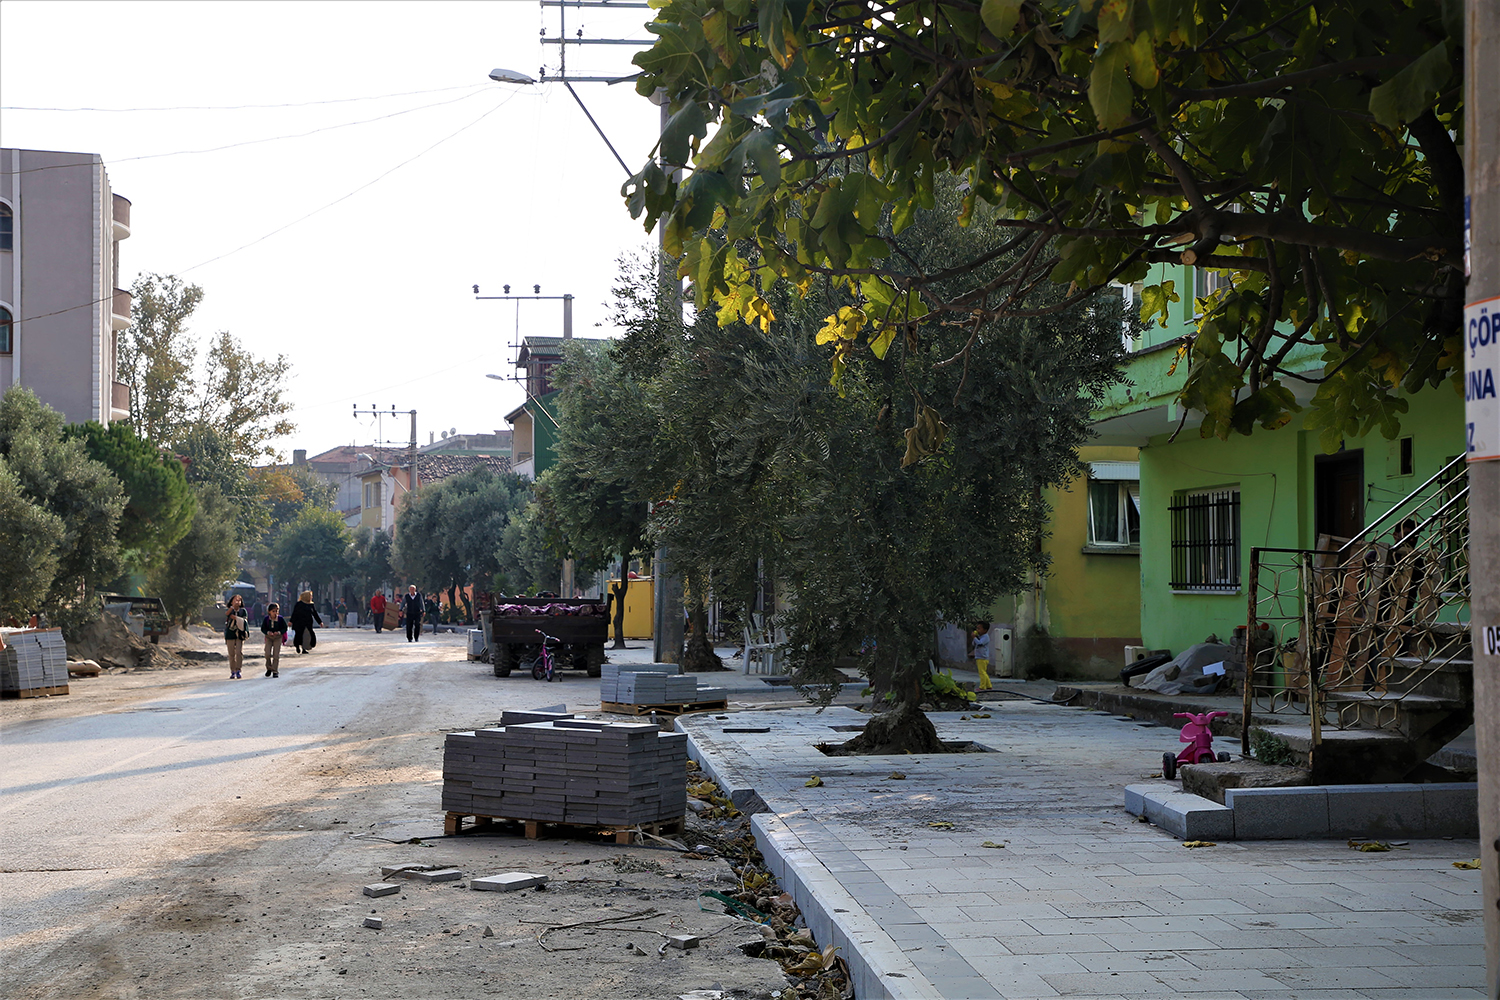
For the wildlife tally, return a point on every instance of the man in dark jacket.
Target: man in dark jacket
(412, 607)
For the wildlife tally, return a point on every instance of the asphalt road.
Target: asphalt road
(179, 833)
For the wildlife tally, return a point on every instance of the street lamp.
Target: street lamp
(509, 76)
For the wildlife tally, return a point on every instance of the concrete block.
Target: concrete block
(382, 889)
(1190, 817)
(1278, 813)
(1135, 798)
(683, 941)
(508, 882)
(1375, 810)
(1451, 810)
(441, 875)
(376, 923)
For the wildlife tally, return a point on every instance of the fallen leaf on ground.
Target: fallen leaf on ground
(1468, 865)
(980, 715)
(1199, 843)
(814, 782)
(991, 843)
(1369, 846)
(941, 824)
(896, 776)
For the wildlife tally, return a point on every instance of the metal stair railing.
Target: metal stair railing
(1365, 632)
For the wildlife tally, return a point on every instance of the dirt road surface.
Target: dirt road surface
(179, 834)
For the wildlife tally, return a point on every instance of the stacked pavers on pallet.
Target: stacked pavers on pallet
(652, 684)
(33, 659)
(566, 770)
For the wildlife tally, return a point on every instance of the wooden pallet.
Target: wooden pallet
(677, 708)
(453, 824)
(46, 692)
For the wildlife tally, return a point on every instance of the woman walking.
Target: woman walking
(274, 628)
(236, 627)
(303, 616)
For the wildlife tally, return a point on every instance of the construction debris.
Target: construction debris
(382, 889)
(375, 923)
(508, 882)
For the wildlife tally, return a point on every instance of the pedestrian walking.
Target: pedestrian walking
(274, 628)
(303, 616)
(377, 610)
(982, 654)
(236, 627)
(343, 613)
(413, 608)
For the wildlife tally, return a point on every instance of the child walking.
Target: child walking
(982, 654)
(236, 627)
(274, 628)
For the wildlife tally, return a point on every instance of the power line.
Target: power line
(247, 107)
(107, 298)
(356, 191)
(253, 142)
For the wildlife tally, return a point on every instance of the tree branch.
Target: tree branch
(1267, 88)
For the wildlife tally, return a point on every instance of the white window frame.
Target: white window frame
(1129, 498)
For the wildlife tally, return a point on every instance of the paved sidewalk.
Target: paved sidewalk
(1082, 900)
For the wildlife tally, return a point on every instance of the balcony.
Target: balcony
(119, 401)
(121, 218)
(119, 310)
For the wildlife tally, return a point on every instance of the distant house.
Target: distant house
(60, 312)
(384, 485)
(534, 423)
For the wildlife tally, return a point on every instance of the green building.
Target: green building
(1204, 503)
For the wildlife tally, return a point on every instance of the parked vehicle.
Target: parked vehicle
(579, 629)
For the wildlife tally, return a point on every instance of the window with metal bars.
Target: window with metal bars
(1206, 541)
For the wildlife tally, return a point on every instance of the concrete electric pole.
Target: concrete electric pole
(1482, 414)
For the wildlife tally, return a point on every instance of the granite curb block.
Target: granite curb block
(878, 967)
(1182, 814)
(1312, 812)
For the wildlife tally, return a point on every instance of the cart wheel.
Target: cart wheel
(1169, 766)
(1223, 757)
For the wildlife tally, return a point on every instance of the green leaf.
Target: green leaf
(1155, 300)
(762, 148)
(1109, 92)
(720, 34)
(688, 123)
(1114, 21)
(1409, 92)
(1142, 56)
(881, 342)
(1000, 16)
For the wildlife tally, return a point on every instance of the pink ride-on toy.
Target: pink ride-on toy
(1200, 743)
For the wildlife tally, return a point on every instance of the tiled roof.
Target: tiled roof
(435, 468)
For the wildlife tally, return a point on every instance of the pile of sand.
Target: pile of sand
(108, 641)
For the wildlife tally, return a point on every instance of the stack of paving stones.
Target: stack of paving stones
(652, 684)
(33, 659)
(566, 770)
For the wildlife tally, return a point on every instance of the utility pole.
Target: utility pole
(666, 580)
(411, 448)
(1482, 414)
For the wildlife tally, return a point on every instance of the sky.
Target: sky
(347, 232)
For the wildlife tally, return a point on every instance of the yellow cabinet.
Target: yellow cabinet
(639, 604)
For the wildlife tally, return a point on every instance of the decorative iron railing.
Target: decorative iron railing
(1356, 631)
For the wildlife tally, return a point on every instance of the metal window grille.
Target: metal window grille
(1206, 541)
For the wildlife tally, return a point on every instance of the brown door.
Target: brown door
(1339, 494)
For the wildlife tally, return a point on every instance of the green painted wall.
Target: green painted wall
(1274, 471)
(543, 411)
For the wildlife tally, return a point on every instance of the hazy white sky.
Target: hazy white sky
(371, 298)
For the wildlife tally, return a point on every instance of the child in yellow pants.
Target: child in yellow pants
(982, 654)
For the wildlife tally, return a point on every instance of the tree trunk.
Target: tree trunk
(620, 605)
(699, 654)
(902, 730)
